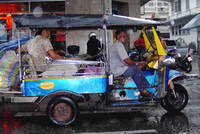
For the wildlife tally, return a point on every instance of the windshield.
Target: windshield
(170, 42)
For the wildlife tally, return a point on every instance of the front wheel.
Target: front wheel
(62, 111)
(177, 102)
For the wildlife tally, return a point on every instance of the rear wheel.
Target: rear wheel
(176, 103)
(62, 111)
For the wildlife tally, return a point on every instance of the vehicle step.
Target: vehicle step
(29, 114)
(122, 109)
(128, 88)
(20, 99)
(133, 103)
(146, 131)
(7, 91)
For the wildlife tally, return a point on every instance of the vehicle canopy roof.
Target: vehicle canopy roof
(78, 21)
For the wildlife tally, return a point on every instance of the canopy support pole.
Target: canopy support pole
(106, 49)
(19, 55)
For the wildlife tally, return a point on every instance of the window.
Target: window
(188, 31)
(183, 31)
(166, 4)
(198, 3)
(187, 4)
(151, 4)
(6, 8)
(161, 9)
(159, 4)
(177, 6)
(172, 30)
(120, 8)
(179, 29)
(49, 7)
(176, 30)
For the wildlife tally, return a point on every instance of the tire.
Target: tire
(172, 104)
(62, 111)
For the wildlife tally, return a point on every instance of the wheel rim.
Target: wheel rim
(177, 101)
(62, 112)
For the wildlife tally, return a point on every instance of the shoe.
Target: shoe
(146, 93)
(145, 96)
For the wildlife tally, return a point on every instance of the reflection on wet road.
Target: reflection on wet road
(135, 122)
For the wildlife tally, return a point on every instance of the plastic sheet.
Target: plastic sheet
(9, 69)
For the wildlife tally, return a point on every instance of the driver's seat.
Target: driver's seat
(73, 50)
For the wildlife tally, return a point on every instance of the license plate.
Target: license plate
(189, 58)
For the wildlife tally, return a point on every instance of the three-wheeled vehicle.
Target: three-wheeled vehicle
(90, 87)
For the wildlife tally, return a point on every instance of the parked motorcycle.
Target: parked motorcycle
(182, 62)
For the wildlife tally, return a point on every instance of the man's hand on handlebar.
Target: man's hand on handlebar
(141, 64)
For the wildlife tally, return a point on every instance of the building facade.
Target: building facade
(120, 7)
(158, 10)
(182, 12)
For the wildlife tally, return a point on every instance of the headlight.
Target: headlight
(169, 61)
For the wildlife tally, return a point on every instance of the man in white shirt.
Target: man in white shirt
(39, 48)
(122, 65)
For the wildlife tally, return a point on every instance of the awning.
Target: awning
(80, 21)
(181, 20)
(9, 1)
(193, 23)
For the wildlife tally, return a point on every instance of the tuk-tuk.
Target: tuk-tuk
(90, 86)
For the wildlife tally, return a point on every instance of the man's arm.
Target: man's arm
(23, 49)
(54, 55)
(130, 62)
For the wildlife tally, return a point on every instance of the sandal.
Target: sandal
(145, 96)
(146, 93)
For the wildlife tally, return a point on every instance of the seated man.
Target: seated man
(139, 44)
(93, 46)
(39, 48)
(122, 65)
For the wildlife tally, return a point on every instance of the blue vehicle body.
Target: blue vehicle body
(94, 84)
(76, 84)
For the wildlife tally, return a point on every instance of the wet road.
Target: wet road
(155, 121)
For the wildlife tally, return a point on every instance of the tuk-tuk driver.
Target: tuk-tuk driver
(39, 48)
(122, 65)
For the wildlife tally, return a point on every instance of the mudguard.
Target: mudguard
(174, 75)
(43, 101)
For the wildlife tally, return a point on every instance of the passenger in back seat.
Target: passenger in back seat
(39, 48)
